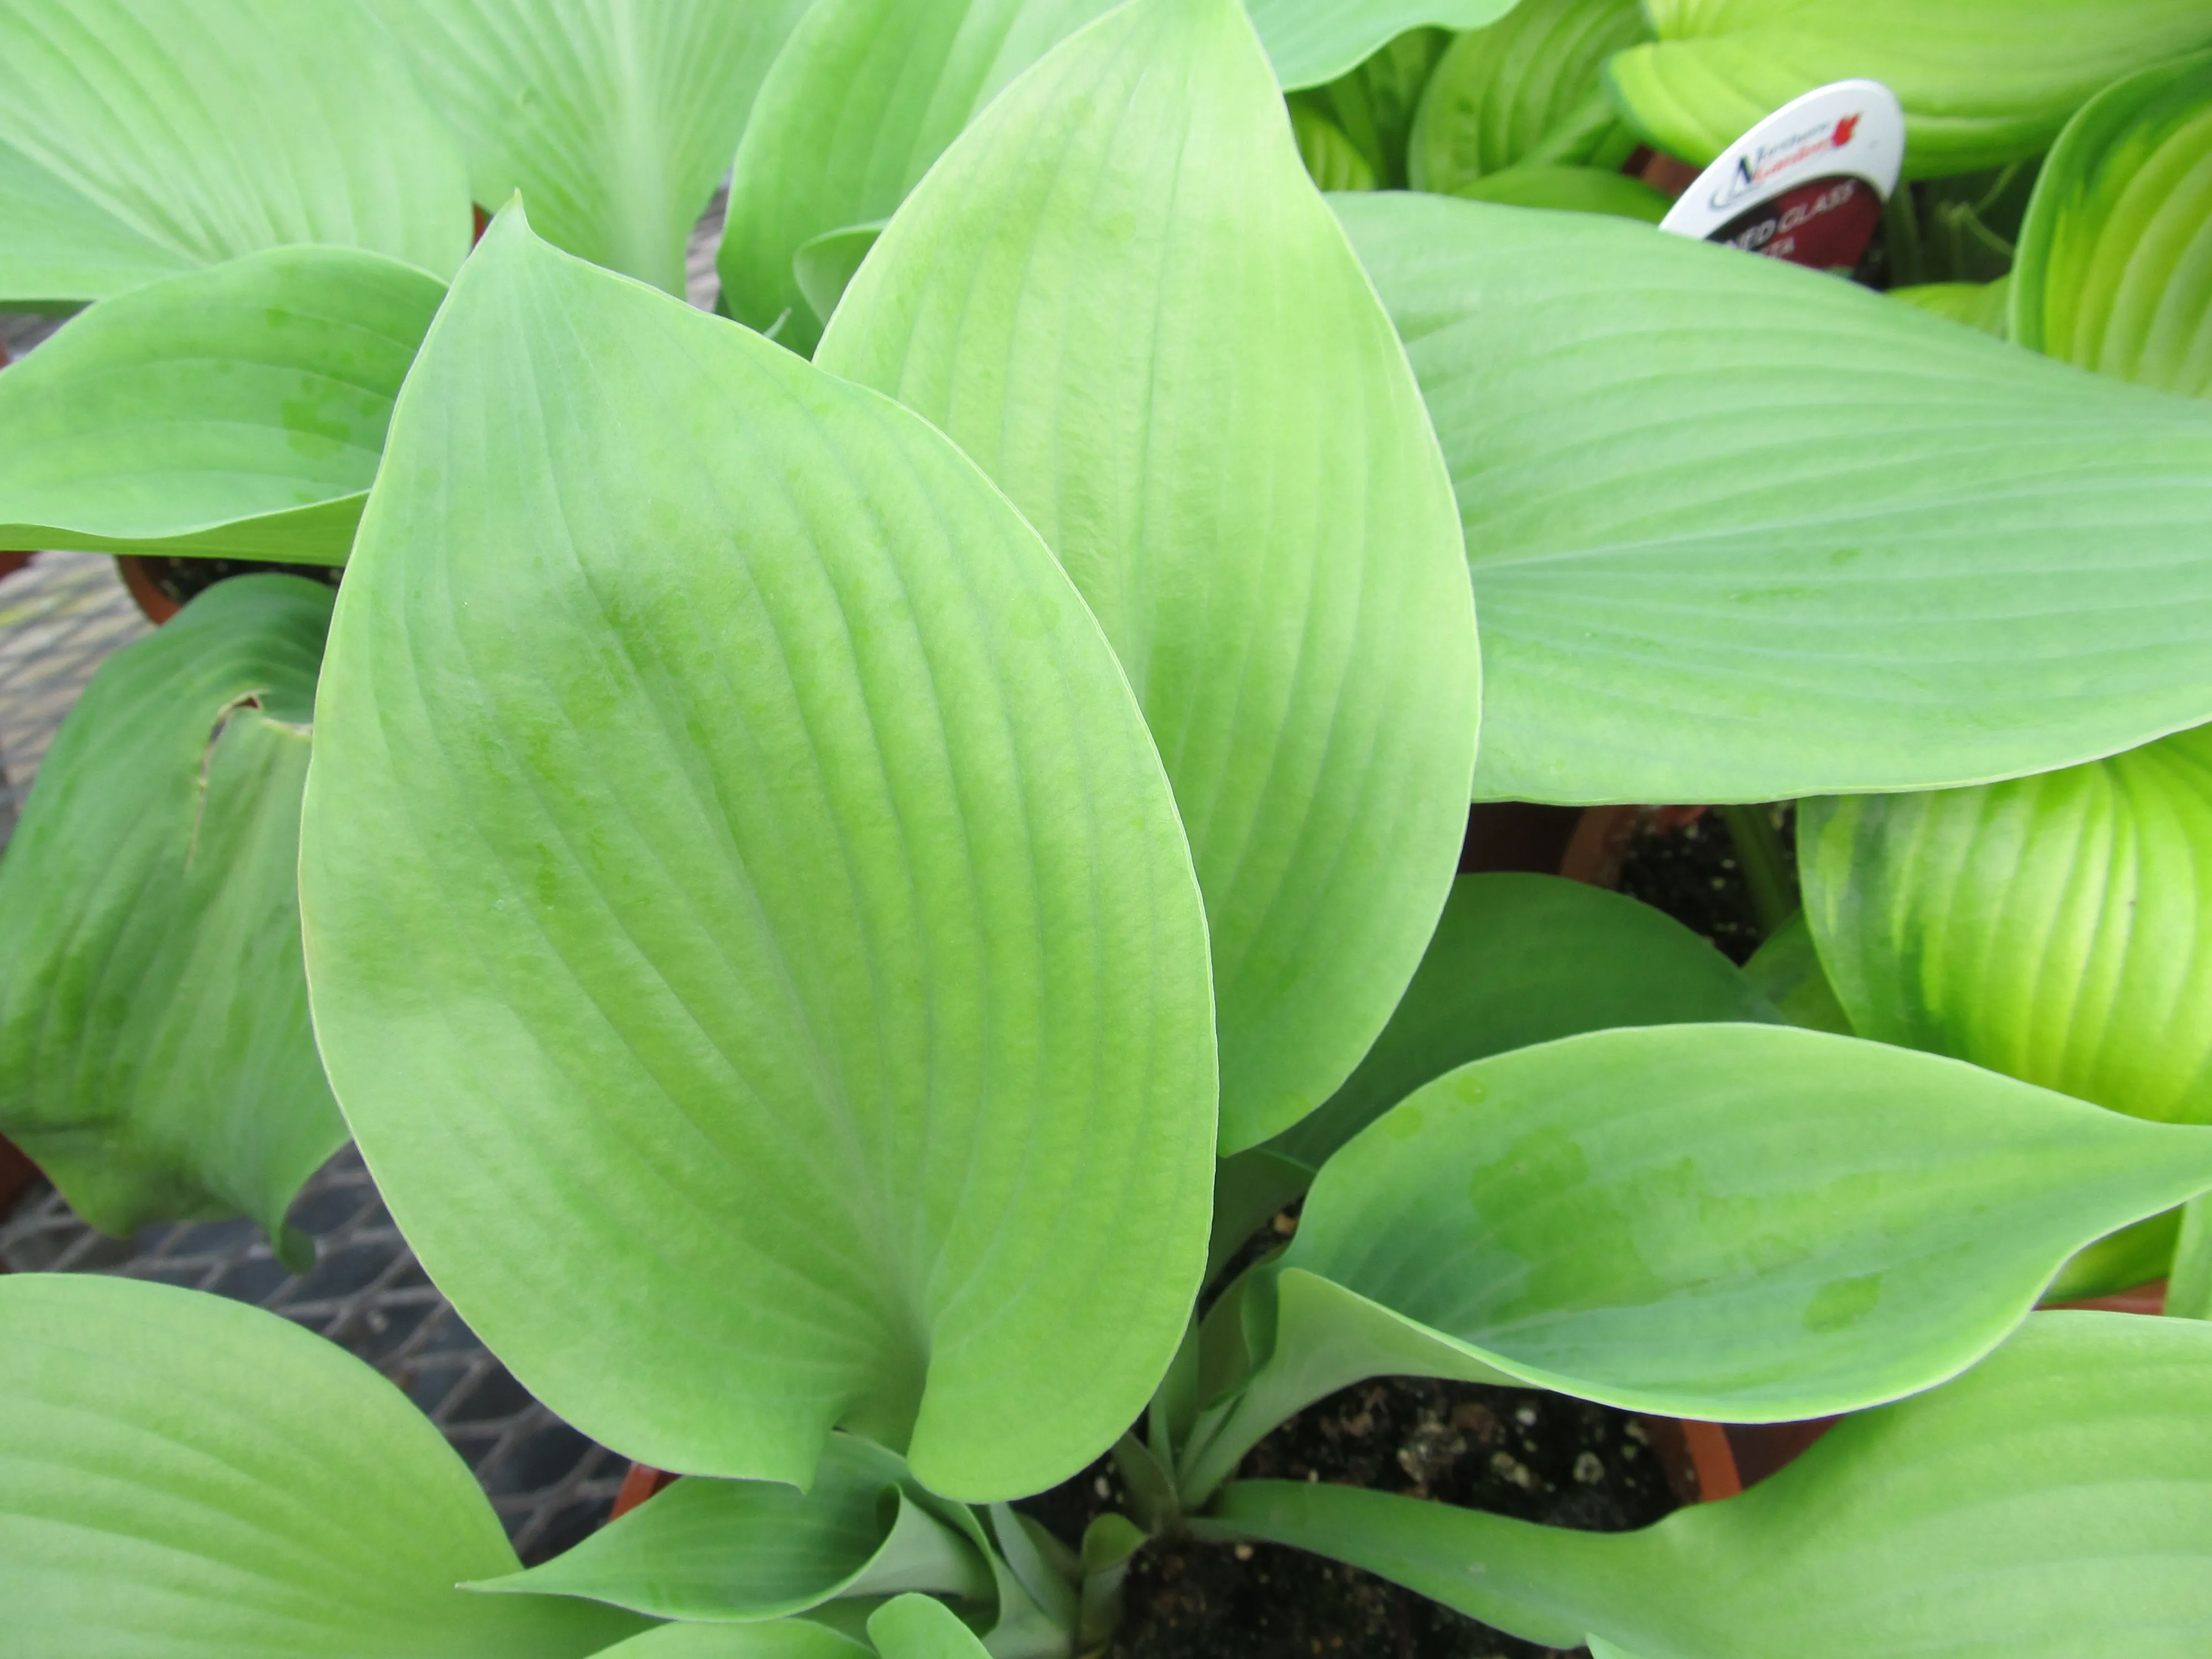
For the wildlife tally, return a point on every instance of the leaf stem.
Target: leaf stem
(1766, 866)
(2189, 1287)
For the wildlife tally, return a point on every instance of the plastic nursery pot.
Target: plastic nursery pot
(17, 1174)
(1585, 844)
(642, 1481)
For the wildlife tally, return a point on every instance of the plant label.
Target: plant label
(1806, 184)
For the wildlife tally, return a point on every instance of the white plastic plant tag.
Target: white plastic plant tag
(1806, 184)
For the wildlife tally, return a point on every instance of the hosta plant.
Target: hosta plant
(836, 891)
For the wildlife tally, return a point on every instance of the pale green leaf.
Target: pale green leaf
(739, 1551)
(238, 411)
(186, 1477)
(1787, 971)
(787, 1638)
(2115, 266)
(615, 119)
(824, 268)
(2120, 1261)
(1572, 189)
(1120, 293)
(2054, 928)
(154, 1052)
(746, 920)
(171, 133)
(1742, 532)
(1982, 83)
(60, 247)
(864, 98)
(1525, 89)
(2055, 1503)
(1313, 41)
(1740, 1223)
(1986, 306)
(916, 1627)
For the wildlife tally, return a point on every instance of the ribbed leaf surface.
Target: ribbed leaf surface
(172, 133)
(613, 118)
(186, 1477)
(237, 413)
(1526, 89)
(2115, 267)
(2056, 928)
(747, 922)
(1740, 532)
(1983, 81)
(154, 1052)
(1120, 293)
(1313, 41)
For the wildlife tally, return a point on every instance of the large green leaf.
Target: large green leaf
(1527, 88)
(2115, 267)
(1740, 532)
(238, 411)
(1571, 190)
(1744, 1223)
(738, 1551)
(1121, 295)
(1313, 41)
(154, 1052)
(613, 118)
(186, 1477)
(2055, 928)
(2056, 1503)
(139, 136)
(1982, 82)
(62, 247)
(1984, 306)
(747, 922)
(864, 98)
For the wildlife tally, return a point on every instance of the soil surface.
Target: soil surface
(1520, 1452)
(1692, 874)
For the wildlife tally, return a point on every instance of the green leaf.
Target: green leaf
(915, 1627)
(62, 247)
(824, 268)
(2055, 1503)
(614, 120)
(2120, 1261)
(1311, 42)
(738, 1551)
(1374, 104)
(1577, 189)
(864, 98)
(1787, 971)
(746, 920)
(148, 136)
(2050, 928)
(1518, 960)
(1986, 306)
(1120, 293)
(154, 1052)
(2115, 268)
(1331, 157)
(1527, 88)
(1982, 83)
(1741, 533)
(236, 412)
(787, 1638)
(1740, 1223)
(186, 1477)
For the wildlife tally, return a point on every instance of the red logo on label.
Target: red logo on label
(1844, 128)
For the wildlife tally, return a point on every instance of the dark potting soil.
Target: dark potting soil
(1525, 1452)
(1692, 873)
